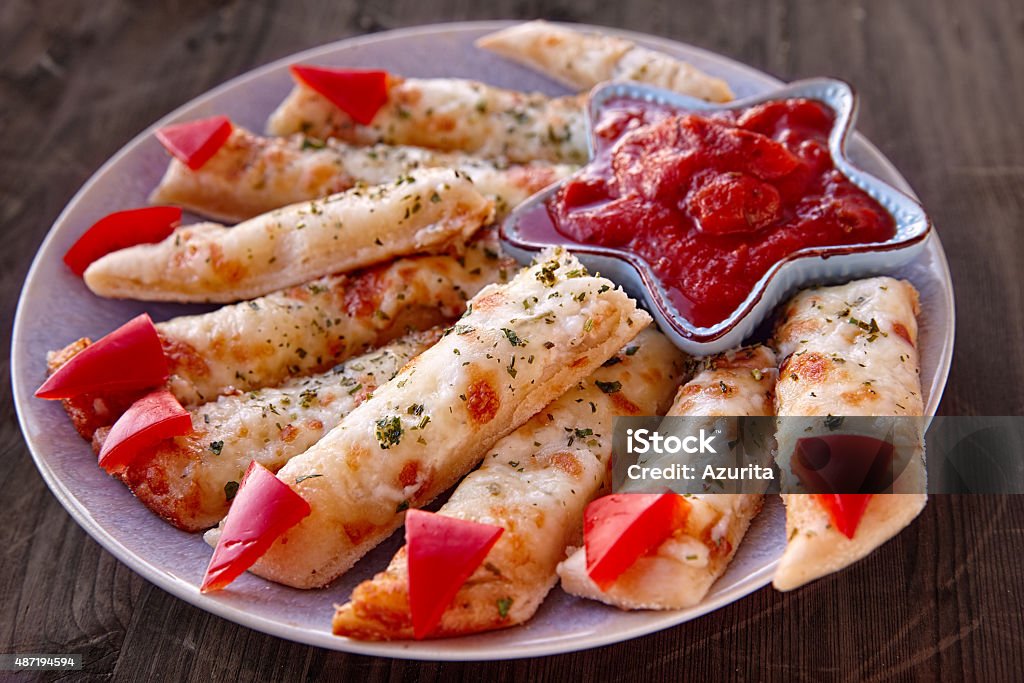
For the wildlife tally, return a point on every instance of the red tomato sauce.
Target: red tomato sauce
(712, 202)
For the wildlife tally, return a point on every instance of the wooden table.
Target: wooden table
(942, 97)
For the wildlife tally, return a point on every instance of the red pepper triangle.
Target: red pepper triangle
(845, 509)
(850, 463)
(120, 230)
(620, 528)
(130, 357)
(263, 508)
(194, 142)
(153, 418)
(442, 553)
(360, 93)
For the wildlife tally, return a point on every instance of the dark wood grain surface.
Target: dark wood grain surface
(940, 82)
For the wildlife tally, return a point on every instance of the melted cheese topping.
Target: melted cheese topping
(534, 483)
(684, 567)
(426, 211)
(851, 350)
(735, 383)
(449, 114)
(313, 327)
(251, 175)
(520, 346)
(188, 479)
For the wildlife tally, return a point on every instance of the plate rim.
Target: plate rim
(428, 650)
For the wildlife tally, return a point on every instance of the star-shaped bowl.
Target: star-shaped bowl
(818, 265)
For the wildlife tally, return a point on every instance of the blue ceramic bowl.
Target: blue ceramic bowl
(817, 265)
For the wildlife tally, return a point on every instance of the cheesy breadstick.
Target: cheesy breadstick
(581, 60)
(849, 350)
(251, 175)
(681, 571)
(448, 114)
(429, 210)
